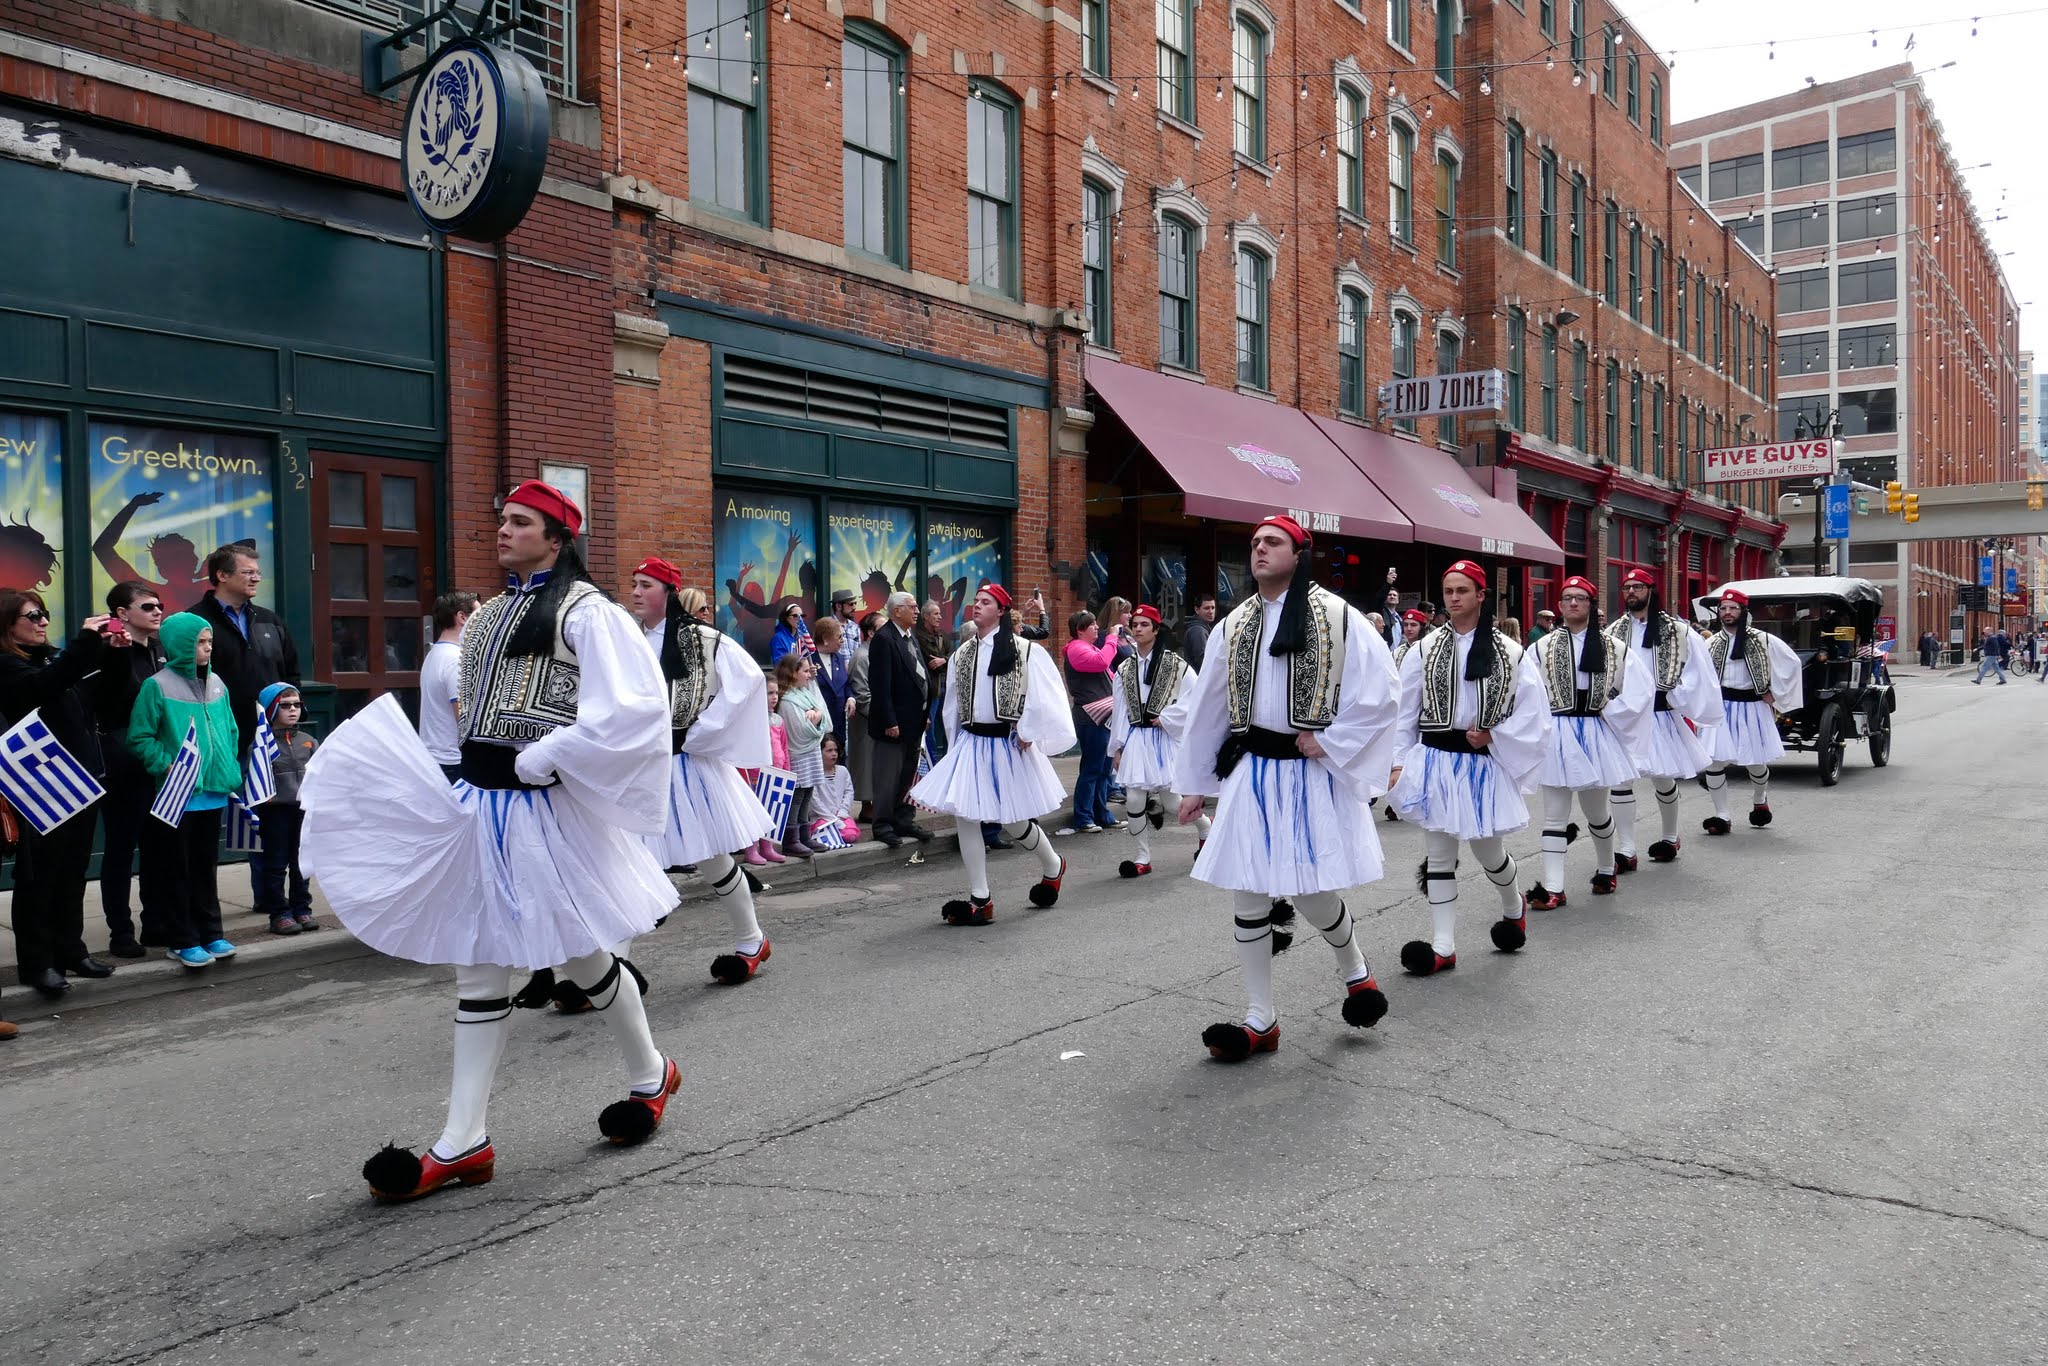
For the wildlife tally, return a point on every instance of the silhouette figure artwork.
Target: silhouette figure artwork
(177, 581)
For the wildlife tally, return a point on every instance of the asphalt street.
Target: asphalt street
(1779, 1102)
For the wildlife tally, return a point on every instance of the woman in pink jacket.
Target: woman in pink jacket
(1088, 679)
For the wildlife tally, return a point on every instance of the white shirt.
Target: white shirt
(440, 675)
(655, 635)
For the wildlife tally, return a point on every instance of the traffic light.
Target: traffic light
(1893, 500)
(2034, 499)
(1912, 507)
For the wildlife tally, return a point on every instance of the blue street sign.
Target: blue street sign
(1984, 570)
(1835, 512)
(2012, 580)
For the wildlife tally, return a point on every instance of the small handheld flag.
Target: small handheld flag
(41, 778)
(179, 780)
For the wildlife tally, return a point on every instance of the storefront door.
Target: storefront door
(373, 576)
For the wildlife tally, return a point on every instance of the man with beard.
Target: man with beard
(1688, 702)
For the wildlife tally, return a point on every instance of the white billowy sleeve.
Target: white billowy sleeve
(1519, 740)
(734, 724)
(949, 706)
(1048, 721)
(1788, 684)
(1119, 715)
(1173, 718)
(614, 759)
(1359, 745)
(1201, 720)
(1408, 724)
(1698, 695)
(1632, 714)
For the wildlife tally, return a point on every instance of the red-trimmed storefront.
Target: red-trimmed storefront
(1608, 520)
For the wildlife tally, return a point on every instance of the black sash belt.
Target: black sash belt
(1256, 741)
(1663, 700)
(995, 730)
(1741, 695)
(1148, 723)
(490, 767)
(1451, 742)
(678, 737)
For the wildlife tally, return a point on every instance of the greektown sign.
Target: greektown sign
(475, 140)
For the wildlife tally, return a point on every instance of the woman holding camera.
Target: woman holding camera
(49, 870)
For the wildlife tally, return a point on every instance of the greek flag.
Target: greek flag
(260, 784)
(827, 836)
(179, 781)
(39, 776)
(777, 790)
(244, 827)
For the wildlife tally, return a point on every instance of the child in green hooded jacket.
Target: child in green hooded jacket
(184, 695)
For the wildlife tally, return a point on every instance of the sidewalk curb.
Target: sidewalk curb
(265, 955)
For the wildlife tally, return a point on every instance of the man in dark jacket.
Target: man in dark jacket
(139, 612)
(251, 647)
(896, 720)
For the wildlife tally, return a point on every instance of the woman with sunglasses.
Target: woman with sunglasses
(792, 636)
(49, 869)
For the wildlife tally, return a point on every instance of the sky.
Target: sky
(1724, 51)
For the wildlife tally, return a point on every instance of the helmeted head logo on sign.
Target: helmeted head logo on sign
(475, 141)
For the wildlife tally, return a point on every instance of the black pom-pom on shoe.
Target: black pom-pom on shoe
(393, 1171)
(1509, 935)
(1130, 869)
(1716, 825)
(1418, 956)
(1664, 851)
(626, 1122)
(1603, 884)
(1365, 1007)
(1227, 1042)
(1759, 816)
(729, 969)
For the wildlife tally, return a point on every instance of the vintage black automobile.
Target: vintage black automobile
(1832, 624)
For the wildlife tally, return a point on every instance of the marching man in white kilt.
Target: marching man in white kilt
(1290, 725)
(1759, 676)
(1006, 713)
(1683, 671)
(1599, 693)
(718, 725)
(1472, 733)
(534, 859)
(1145, 687)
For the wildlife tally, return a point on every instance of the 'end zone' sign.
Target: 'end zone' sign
(1783, 460)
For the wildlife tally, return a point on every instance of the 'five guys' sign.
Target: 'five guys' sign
(1782, 460)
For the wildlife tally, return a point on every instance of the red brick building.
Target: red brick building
(1894, 315)
(223, 321)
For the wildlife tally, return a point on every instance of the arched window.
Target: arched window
(1513, 176)
(1447, 41)
(1351, 352)
(1351, 149)
(1098, 210)
(1401, 182)
(1517, 328)
(1177, 291)
(1402, 362)
(1447, 210)
(1248, 45)
(1254, 280)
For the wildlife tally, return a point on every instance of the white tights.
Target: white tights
(483, 1019)
(1623, 801)
(1557, 810)
(1325, 911)
(1759, 787)
(1494, 860)
(1136, 804)
(974, 853)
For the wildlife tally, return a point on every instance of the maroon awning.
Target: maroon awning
(1440, 496)
(1239, 459)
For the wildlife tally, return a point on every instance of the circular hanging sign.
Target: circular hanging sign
(475, 140)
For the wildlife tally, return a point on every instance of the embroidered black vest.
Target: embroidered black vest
(510, 699)
(1755, 654)
(1561, 674)
(1440, 681)
(1673, 639)
(690, 694)
(966, 668)
(1314, 677)
(1167, 675)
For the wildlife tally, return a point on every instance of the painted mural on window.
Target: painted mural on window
(164, 498)
(32, 509)
(873, 551)
(962, 552)
(765, 553)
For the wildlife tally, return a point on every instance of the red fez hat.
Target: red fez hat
(550, 500)
(1641, 576)
(661, 571)
(999, 593)
(1736, 596)
(1148, 612)
(1470, 571)
(1584, 585)
(1419, 618)
(1291, 527)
